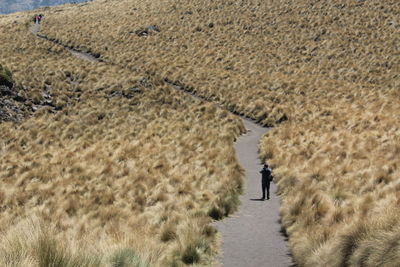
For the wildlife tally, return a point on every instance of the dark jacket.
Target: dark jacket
(266, 175)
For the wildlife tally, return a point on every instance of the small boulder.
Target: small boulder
(154, 28)
(5, 90)
(147, 30)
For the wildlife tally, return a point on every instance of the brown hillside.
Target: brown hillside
(324, 73)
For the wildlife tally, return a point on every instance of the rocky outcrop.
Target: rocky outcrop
(12, 104)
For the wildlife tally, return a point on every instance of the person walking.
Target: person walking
(34, 19)
(266, 178)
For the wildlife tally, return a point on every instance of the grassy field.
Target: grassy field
(112, 168)
(271, 60)
(325, 74)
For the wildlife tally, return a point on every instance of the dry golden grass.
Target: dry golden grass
(255, 57)
(326, 74)
(117, 170)
(339, 176)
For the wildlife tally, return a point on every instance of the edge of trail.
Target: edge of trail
(251, 237)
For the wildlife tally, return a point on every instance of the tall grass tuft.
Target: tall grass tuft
(127, 258)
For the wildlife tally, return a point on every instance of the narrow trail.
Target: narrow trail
(252, 236)
(35, 29)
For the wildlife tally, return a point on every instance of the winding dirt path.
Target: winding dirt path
(252, 236)
(35, 29)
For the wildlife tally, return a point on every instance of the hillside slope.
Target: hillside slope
(326, 73)
(116, 169)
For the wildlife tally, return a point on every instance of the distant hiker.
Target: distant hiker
(266, 178)
(39, 18)
(34, 19)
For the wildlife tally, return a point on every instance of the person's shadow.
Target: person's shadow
(257, 199)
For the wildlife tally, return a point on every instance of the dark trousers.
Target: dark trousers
(265, 185)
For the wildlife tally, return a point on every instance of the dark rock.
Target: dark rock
(19, 98)
(146, 31)
(5, 90)
(9, 111)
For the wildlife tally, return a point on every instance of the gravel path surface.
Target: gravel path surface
(251, 237)
(35, 28)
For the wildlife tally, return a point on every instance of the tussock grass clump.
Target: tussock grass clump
(6, 77)
(190, 255)
(31, 243)
(216, 213)
(127, 257)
